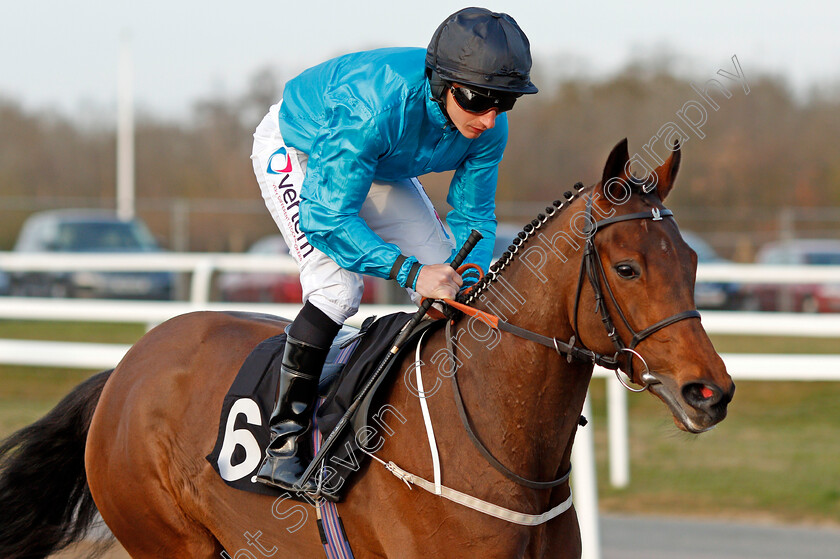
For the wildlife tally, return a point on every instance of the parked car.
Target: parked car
(272, 287)
(4, 283)
(799, 297)
(88, 231)
(713, 295)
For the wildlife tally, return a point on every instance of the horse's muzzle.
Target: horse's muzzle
(696, 406)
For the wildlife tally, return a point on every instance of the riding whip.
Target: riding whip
(471, 241)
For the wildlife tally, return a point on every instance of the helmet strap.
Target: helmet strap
(439, 87)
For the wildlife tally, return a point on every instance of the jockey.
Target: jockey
(337, 161)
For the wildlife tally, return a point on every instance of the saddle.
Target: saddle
(354, 355)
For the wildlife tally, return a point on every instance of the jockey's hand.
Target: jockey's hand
(438, 281)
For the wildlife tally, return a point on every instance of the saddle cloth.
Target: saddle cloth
(243, 428)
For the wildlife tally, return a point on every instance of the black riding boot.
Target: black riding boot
(288, 455)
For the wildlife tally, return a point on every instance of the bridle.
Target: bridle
(592, 267)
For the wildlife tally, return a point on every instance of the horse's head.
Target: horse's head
(645, 272)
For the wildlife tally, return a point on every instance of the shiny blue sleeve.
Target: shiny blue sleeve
(472, 194)
(339, 173)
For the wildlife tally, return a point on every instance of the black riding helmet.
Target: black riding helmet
(482, 49)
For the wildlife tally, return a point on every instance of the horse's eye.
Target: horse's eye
(626, 271)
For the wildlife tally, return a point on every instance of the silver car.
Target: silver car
(88, 231)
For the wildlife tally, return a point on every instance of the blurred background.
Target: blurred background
(205, 73)
(759, 183)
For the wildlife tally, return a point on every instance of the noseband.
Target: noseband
(593, 268)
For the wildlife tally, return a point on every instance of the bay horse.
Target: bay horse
(132, 443)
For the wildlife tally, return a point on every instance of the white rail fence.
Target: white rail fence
(203, 266)
(200, 265)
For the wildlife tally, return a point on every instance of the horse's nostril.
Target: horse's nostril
(701, 395)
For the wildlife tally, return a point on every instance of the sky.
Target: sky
(63, 56)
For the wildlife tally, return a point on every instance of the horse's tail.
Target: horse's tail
(45, 502)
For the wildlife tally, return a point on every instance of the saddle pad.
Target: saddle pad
(246, 409)
(243, 428)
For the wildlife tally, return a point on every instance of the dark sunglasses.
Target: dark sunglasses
(474, 102)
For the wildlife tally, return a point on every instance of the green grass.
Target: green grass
(27, 393)
(102, 332)
(776, 456)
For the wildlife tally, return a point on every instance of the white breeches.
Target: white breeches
(399, 212)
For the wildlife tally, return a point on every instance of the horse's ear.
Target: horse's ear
(667, 172)
(616, 163)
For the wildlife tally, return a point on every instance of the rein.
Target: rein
(563, 348)
(593, 268)
(437, 487)
(501, 468)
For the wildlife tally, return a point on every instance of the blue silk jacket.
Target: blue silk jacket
(369, 116)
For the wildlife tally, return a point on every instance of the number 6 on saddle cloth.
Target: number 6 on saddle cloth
(355, 371)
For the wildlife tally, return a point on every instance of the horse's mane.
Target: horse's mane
(637, 186)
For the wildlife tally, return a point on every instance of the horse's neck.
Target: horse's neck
(527, 395)
(523, 296)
